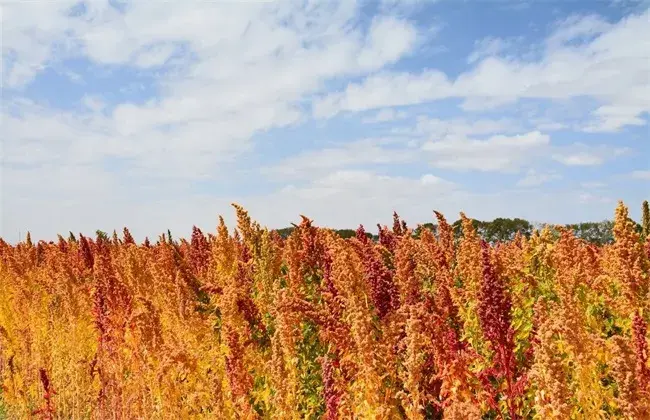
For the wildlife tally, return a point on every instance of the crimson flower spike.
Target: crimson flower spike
(128, 239)
(331, 395)
(387, 238)
(199, 251)
(494, 304)
(397, 226)
(85, 251)
(48, 411)
(361, 234)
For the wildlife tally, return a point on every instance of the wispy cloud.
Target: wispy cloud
(641, 174)
(534, 178)
(386, 115)
(498, 153)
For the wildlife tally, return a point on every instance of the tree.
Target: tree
(502, 229)
(285, 232)
(498, 230)
(595, 232)
(457, 227)
(426, 226)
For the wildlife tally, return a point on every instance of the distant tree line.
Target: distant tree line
(504, 229)
(498, 230)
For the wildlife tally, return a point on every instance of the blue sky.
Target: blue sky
(158, 115)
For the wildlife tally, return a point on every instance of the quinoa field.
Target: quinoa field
(246, 324)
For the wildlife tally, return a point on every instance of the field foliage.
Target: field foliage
(245, 324)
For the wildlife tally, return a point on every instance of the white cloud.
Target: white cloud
(401, 5)
(549, 125)
(384, 90)
(588, 198)
(610, 64)
(593, 185)
(497, 153)
(154, 56)
(580, 154)
(580, 159)
(372, 185)
(349, 197)
(487, 47)
(455, 144)
(534, 178)
(577, 28)
(93, 103)
(452, 145)
(611, 118)
(641, 175)
(388, 39)
(308, 165)
(250, 73)
(435, 128)
(28, 38)
(41, 136)
(429, 179)
(385, 115)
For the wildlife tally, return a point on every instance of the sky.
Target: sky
(159, 115)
